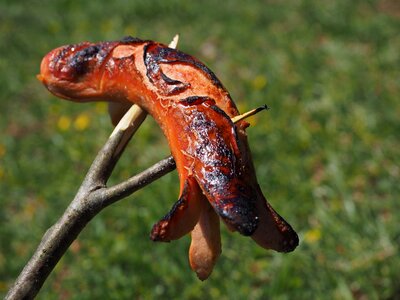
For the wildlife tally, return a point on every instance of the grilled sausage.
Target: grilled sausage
(194, 110)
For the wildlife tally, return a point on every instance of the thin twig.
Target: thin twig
(249, 113)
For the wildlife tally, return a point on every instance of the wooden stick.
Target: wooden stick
(249, 113)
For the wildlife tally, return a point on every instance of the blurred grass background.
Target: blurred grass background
(327, 153)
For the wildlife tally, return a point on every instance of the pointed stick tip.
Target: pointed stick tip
(263, 107)
(249, 113)
(174, 42)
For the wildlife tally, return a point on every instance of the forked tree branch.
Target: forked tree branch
(92, 197)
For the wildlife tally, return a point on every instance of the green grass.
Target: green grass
(327, 153)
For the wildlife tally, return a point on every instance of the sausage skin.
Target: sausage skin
(194, 111)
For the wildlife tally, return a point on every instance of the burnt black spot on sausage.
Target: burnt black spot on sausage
(170, 81)
(240, 213)
(130, 39)
(224, 115)
(196, 100)
(80, 61)
(61, 54)
(165, 84)
(155, 54)
(221, 112)
(168, 55)
(176, 85)
(209, 147)
(215, 179)
(152, 67)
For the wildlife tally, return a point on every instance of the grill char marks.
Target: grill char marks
(156, 54)
(165, 85)
(61, 54)
(91, 55)
(80, 62)
(217, 166)
(130, 39)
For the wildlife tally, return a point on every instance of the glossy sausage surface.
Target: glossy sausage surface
(194, 110)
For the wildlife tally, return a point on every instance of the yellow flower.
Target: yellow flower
(82, 122)
(64, 123)
(313, 235)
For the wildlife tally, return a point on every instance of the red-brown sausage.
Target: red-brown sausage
(194, 111)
